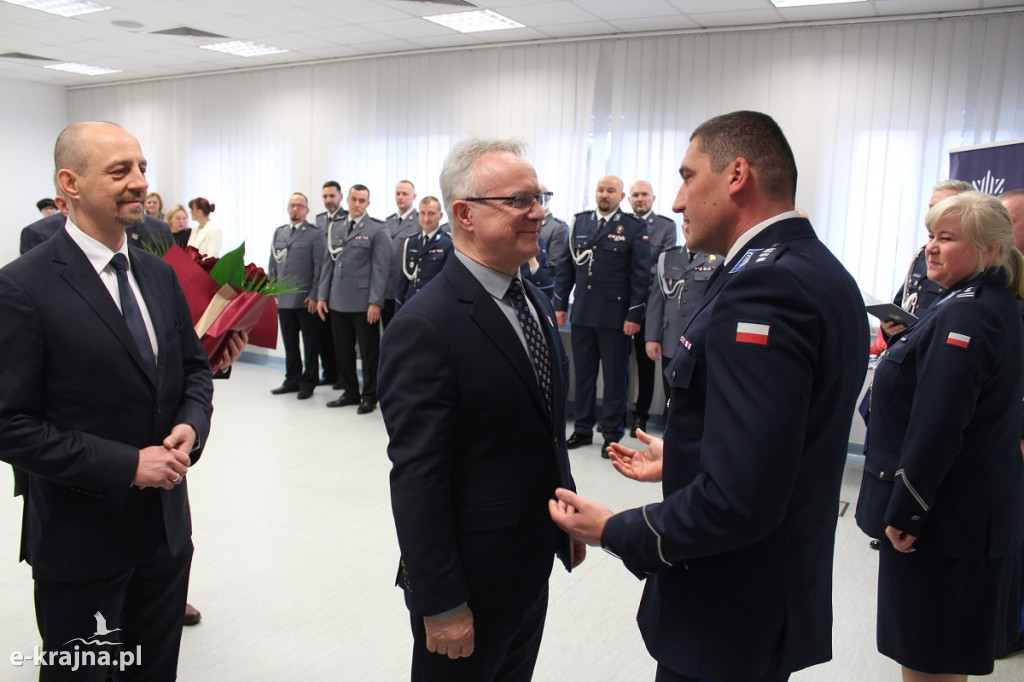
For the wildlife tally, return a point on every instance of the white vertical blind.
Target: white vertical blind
(870, 109)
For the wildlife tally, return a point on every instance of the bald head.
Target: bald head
(609, 194)
(1014, 203)
(641, 197)
(71, 149)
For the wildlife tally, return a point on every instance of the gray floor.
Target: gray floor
(296, 557)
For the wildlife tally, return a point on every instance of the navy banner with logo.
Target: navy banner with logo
(994, 168)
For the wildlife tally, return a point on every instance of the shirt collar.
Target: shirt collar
(756, 230)
(496, 283)
(99, 254)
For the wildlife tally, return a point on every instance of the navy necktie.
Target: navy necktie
(131, 311)
(534, 340)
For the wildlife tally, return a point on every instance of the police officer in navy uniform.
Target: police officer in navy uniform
(609, 264)
(400, 225)
(555, 233)
(738, 557)
(918, 293)
(352, 283)
(297, 251)
(678, 283)
(424, 254)
(334, 214)
(662, 231)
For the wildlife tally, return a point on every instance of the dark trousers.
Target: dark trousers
(387, 312)
(505, 646)
(610, 347)
(325, 348)
(349, 329)
(666, 675)
(644, 376)
(300, 370)
(141, 607)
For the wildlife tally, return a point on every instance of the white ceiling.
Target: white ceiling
(322, 29)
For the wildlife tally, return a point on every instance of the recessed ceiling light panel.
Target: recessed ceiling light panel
(472, 22)
(83, 69)
(807, 3)
(64, 8)
(243, 48)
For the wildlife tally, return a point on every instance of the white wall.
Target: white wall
(30, 119)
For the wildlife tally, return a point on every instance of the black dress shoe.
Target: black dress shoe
(638, 423)
(284, 388)
(873, 545)
(337, 387)
(604, 449)
(325, 382)
(305, 394)
(599, 428)
(366, 406)
(343, 400)
(577, 440)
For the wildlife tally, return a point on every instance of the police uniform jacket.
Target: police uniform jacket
(762, 391)
(475, 453)
(943, 460)
(677, 286)
(299, 254)
(542, 278)
(356, 267)
(555, 234)
(421, 262)
(409, 227)
(323, 221)
(610, 268)
(662, 232)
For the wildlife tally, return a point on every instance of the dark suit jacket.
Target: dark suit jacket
(77, 404)
(740, 551)
(152, 231)
(475, 455)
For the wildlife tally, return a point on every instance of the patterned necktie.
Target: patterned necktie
(534, 340)
(131, 311)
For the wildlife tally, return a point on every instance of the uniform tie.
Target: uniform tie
(351, 226)
(601, 223)
(131, 311)
(534, 340)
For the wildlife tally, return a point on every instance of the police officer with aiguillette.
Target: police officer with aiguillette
(609, 264)
(678, 283)
(424, 253)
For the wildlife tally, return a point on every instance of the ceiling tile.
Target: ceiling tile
(718, 19)
(541, 15)
(633, 9)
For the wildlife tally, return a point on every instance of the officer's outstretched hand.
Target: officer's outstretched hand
(582, 519)
(640, 465)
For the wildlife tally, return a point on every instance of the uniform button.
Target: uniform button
(589, 287)
(881, 475)
(915, 517)
(673, 374)
(903, 339)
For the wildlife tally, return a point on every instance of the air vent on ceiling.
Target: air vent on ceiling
(188, 32)
(453, 3)
(22, 55)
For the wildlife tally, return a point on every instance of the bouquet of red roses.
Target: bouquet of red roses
(225, 295)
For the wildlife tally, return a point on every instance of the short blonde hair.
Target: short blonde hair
(983, 220)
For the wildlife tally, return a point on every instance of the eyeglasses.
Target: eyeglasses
(520, 201)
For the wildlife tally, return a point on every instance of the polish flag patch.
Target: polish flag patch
(749, 332)
(958, 340)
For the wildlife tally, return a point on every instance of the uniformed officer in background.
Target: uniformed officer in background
(352, 283)
(297, 251)
(401, 225)
(662, 232)
(678, 283)
(609, 264)
(331, 193)
(555, 233)
(423, 254)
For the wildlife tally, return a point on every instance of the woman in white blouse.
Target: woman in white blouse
(207, 237)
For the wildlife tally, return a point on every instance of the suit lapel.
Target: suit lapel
(80, 275)
(493, 323)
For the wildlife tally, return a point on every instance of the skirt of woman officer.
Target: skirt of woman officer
(947, 615)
